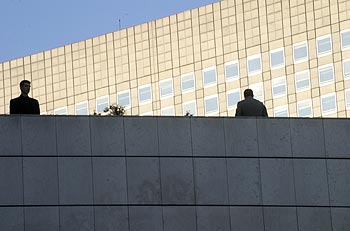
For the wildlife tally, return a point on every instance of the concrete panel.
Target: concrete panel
(143, 218)
(247, 218)
(10, 136)
(340, 219)
(211, 181)
(75, 180)
(109, 174)
(11, 179)
(280, 218)
(174, 136)
(107, 135)
(179, 218)
(307, 138)
(141, 136)
(39, 135)
(213, 218)
(177, 180)
(277, 181)
(73, 135)
(41, 218)
(40, 180)
(208, 136)
(244, 181)
(274, 137)
(12, 219)
(339, 182)
(77, 218)
(143, 180)
(311, 186)
(108, 218)
(337, 133)
(314, 219)
(241, 137)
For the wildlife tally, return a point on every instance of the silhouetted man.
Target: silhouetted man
(250, 106)
(24, 104)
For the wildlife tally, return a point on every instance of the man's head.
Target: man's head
(248, 93)
(25, 87)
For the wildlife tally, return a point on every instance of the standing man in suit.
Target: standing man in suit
(24, 104)
(250, 106)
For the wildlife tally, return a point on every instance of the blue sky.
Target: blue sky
(31, 26)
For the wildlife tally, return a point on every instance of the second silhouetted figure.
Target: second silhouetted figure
(250, 106)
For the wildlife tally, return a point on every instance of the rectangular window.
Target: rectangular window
(302, 81)
(61, 111)
(277, 58)
(209, 76)
(123, 98)
(281, 111)
(145, 94)
(300, 52)
(211, 105)
(305, 108)
(231, 71)
(279, 87)
(326, 74)
(345, 40)
(328, 104)
(254, 65)
(168, 111)
(149, 113)
(82, 108)
(346, 69)
(324, 45)
(189, 107)
(347, 98)
(102, 103)
(233, 97)
(258, 91)
(187, 82)
(166, 88)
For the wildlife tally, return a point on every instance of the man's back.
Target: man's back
(251, 107)
(24, 105)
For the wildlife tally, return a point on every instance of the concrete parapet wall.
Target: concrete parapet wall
(173, 173)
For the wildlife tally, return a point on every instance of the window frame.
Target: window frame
(347, 100)
(211, 83)
(279, 65)
(217, 103)
(123, 92)
(319, 75)
(299, 108)
(279, 108)
(252, 58)
(102, 97)
(61, 108)
(237, 90)
(81, 103)
(167, 108)
(194, 83)
(343, 67)
(252, 86)
(187, 103)
(234, 77)
(307, 52)
(317, 48)
(341, 40)
(308, 78)
(330, 111)
(273, 82)
(147, 101)
(170, 80)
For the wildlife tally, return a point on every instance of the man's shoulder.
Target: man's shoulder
(14, 100)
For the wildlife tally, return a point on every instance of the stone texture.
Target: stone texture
(111, 218)
(314, 219)
(77, 218)
(280, 218)
(143, 218)
(337, 133)
(10, 136)
(12, 218)
(11, 181)
(179, 218)
(41, 218)
(339, 182)
(213, 218)
(247, 218)
(340, 219)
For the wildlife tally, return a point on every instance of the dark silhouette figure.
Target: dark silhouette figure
(250, 106)
(24, 104)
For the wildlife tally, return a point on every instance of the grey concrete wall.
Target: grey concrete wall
(174, 173)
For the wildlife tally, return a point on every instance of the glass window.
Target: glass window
(231, 71)
(211, 104)
(302, 81)
(233, 97)
(346, 69)
(123, 98)
(326, 74)
(187, 82)
(149, 113)
(300, 52)
(254, 65)
(209, 76)
(324, 45)
(189, 107)
(328, 104)
(279, 87)
(281, 111)
(277, 58)
(145, 94)
(258, 91)
(347, 98)
(345, 39)
(82, 109)
(102, 103)
(305, 108)
(166, 88)
(168, 111)
(61, 111)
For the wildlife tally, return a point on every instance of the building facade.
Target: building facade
(294, 54)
